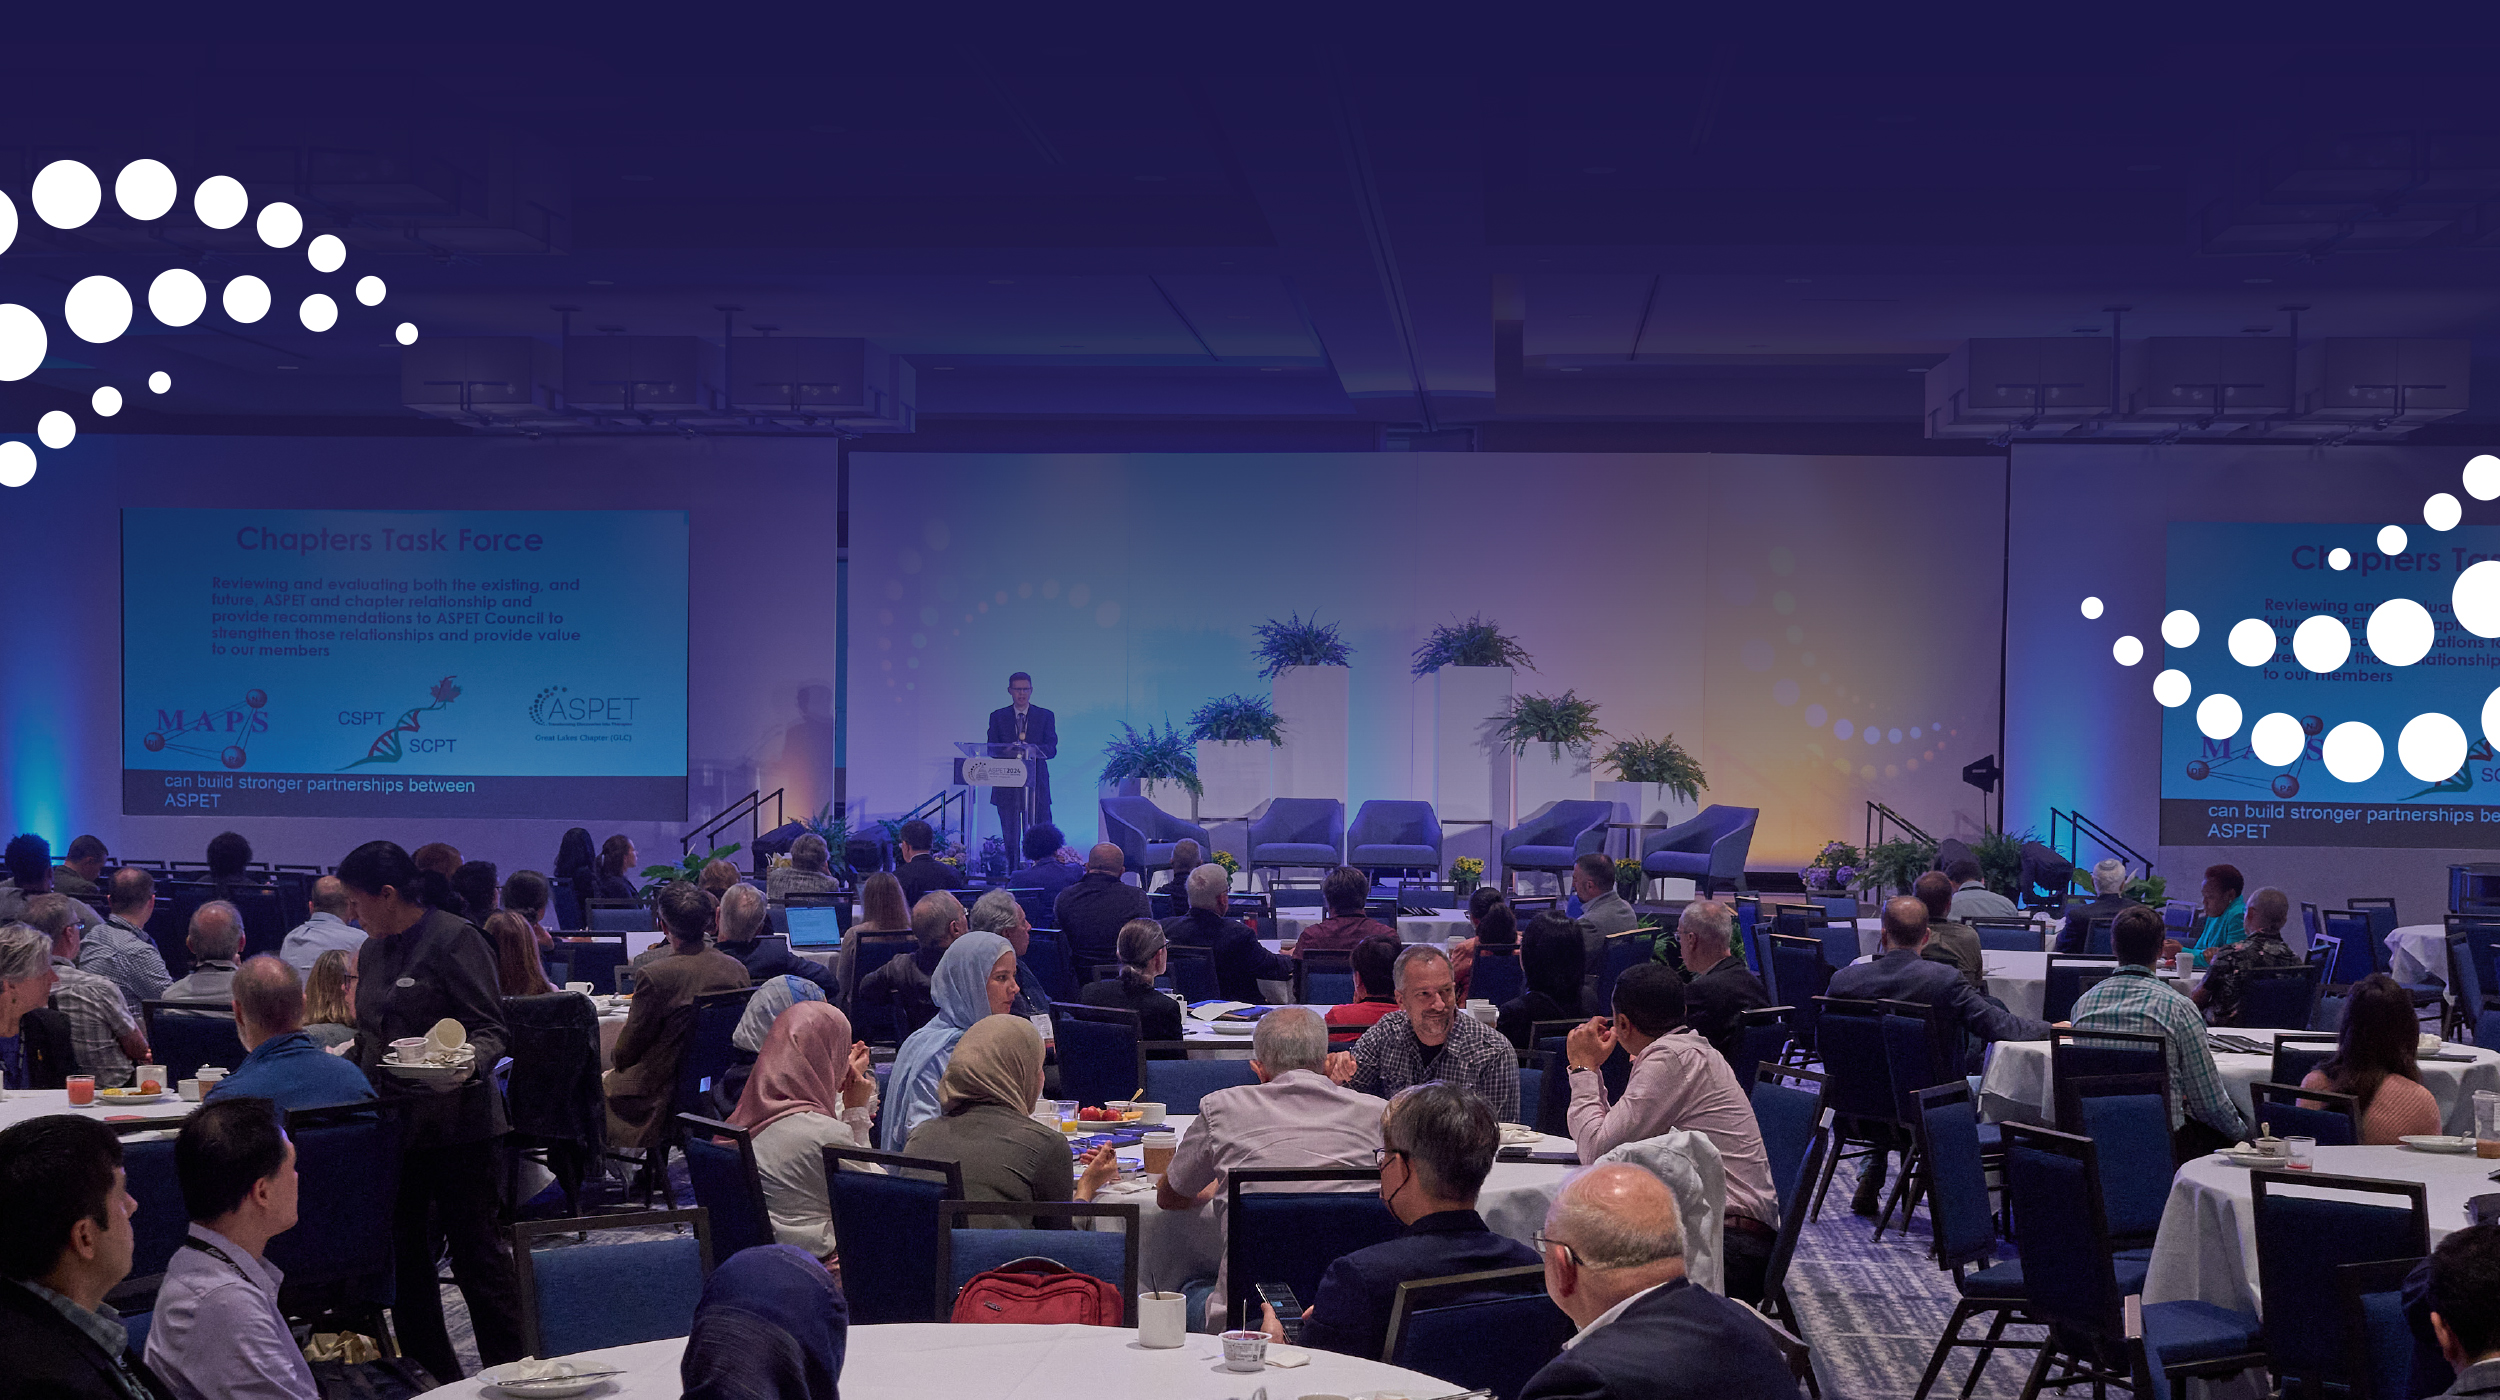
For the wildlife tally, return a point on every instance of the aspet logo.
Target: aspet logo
(557, 707)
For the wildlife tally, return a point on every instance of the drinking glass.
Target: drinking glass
(2301, 1153)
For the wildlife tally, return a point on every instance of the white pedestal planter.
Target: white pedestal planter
(1470, 771)
(1238, 777)
(1172, 798)
(1541, 777)
(1653, 803)
(1315, 703)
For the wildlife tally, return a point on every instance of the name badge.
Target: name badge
(1042, 1024)
(405, 982)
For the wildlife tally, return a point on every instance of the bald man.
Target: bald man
(284, 1065)
(1614, 1262)
(325, 928)
(1092, 910)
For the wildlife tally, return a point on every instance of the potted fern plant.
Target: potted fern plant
(1314, 701)
(1162, 763)
(1656, 781)
(1236, 738)
(1471, 666)
(1551, 739)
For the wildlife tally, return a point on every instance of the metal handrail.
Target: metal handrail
(2079, 826)
(750, 807)
(1879, 817)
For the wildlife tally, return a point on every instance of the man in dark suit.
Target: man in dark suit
(1437, 1142)
(920, 871)
(1719, 989)
(739, 926)
(65, 1241)
(2109, 900)
(1020, 721)
(1614, 1261)
(1090, 912)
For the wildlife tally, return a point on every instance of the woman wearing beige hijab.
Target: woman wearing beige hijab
(985, 1123)
(811, 1089)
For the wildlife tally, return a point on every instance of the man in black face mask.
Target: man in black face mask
(1436, 1147)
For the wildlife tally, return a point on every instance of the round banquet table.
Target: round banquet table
(18, 1105)
(2419, 953)
(920, 1360)
(2020, 979)
(2207, 1246)
(1412, 928)
(2017, 1086)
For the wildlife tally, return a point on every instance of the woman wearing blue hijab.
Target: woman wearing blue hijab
(976, 978)
(771, 1326)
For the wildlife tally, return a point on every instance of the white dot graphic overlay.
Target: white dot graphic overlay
(2391, 540)
(2353, 752)
(67, 194)
(2339, 558)
(2482, 477)
(2127, 650)
(2179, 628)
(2277, 740)
(22, 341)
(370, 291)
(56, 430)
(2442, 512)
(2091, 609)
(106, 401)
(326, 253)
(246, 298)
(145, 190)
(2218, 716)
(177, 297)
(97, 310)
(17, 463)
(2491, 716)
(2172, 689)
(2251, 642)
(220, 201)
(318, 312)
(2321, 644)
(8, 222)
(2400, 631)
(2431, 747)
(279, 224)
(406, 334)
(2476, 598)
(159, 382)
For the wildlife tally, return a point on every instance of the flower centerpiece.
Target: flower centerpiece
(1466, 873)
(1834, 868)
(1226, 859)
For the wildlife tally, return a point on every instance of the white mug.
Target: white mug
(1162, 1319)
(210, 1074)
(190, 1090)
(582, 987)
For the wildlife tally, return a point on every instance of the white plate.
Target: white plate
(1514, 1135)
(2434, 1142)
(1230, 1027)
(122, 1097)
(549, 1388)
(2252, 1159)
(427, 1071)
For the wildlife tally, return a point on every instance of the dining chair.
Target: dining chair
(704, 1059)
(149, 1175)
(1798, 976)
(1109, 1255)
(1100, 1057)
(1623, 951)
(1532, 1075)
(618, 916)
(2098, 936)
(720, 1164)
(1488, 1331)
(1323, 977)
(1497, 978)
(1857, 1086)
(2065, 979)
(2127, 1116)
(184, 1035)
(2303, 1237)
(1048, 957)
(582, 1297)
(1790, 1120)
(2278, 998)
(1292, 1236)
(338, 1258)
(2297, 1054)
(1913, 1060)
(2465, 981)
(1764, 1037)
(2379, 1349)
(2288, 1110)
(884, 1208)
(2007, 938)
(1966, 1242)
(1179, 1085)
(1193, 972)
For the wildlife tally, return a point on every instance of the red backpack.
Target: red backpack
(1038, 1290)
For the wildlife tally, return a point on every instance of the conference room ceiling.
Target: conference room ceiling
(1474, 227)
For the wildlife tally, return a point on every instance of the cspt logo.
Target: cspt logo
(387, 748)
(221, 732)
(556, 707)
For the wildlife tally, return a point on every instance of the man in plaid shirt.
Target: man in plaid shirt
(1429, 1038)
(103, 1035)
(2226, 978)
(2136, 1001)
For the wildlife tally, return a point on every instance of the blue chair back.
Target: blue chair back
(1791, 1121)
(1763, 1038)
(2052, 1187)
(1748, 914)
(2380, 915)
(162, 1222)
(1912, 1058)
(2279, 998)
(581, 1297)
(1048, 957)
(2295, 1056)
(2291, 1111)
(1099, 1059)
(1179, 1084)
(1840, 945)
(1486, 1332)
(2302, 1239)
(187, 1035)
(2065, 981)
(346, 1159)
(618, 918)
(1798, 973)
(1957, 1183)
(2379, 1346)
(2130, 1130)
(1792, 1224)
(567, 905)
(135, 1326)
(2004, 939)
(1498, 977)
(2472, 946)
(595, 962)
(2465, 981)
(1109, 1255)
(1623, 951)
(2099, 938)
(1291, 1236)
(1857, 1075)
(707, 1050)
(1193, 972)
(1323, 979)
(2357, 952)
(886, 1222)
(1532, 1090)
(720, 1163)
(2311, 929)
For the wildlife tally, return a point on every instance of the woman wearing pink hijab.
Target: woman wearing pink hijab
(811, 1089)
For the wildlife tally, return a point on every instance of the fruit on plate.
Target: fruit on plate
(151, 1087)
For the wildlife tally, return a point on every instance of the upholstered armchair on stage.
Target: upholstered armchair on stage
(1299, 831)
(1146, 834)
(1706, 850)
(1554, 835)
(1395, 836)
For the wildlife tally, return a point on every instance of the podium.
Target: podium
(999, 766)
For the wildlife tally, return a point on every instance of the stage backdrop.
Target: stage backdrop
(1817, 630)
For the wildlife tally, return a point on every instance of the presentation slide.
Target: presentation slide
(2260, 781)
(327, 663)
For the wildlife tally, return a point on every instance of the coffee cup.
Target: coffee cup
(1154, 1112)
(1162, 1319)
(584, 988)
(1156, 1150)
(1245, 1350)
(190, 1090)
(210, 1074)
(411, 1049)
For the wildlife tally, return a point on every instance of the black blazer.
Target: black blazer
(765, 960)
(50, 1358)
(1680, 1342)
(923, 873)
(1041, 730)
(44, 1044)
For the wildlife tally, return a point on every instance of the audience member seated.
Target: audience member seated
(284, 1064)
(1295, 1116)
(215, 940)
(805, 873)
(975, 979)
(476, 883)
(1436, 1147)
(2226, 974)
(2109, 900)
(881, 911)
(771, 1323)
(330, 999)
(811, 1089)
(1185, 857)
(230, 861)
(772, 996)
(919, 870)
(2374, 1062)
(517, 969)
(1426, 1039)
(1899, 972)
(998, 912)
(1678, 1080)
(65, 1242)
(29, 866)
(1091, 910)
(643, 1082)
(527, 893)
(440, 857)
(1718, 988)
(77, 876)
(35, 1045)
(324, 928)
(739, 927)
(900, 989)
(1604, 912)
(216, 1329)
(2226, 916)
(1241, 960)
(1375, 990)
(1048, 866)
(617, 858)
(120, 950)
(577, 863)
(1494, 928)
(1949, 940)
(1614, 1261)
(985, 1124)
(2464, 1300)
(1345, 889)
(2134, 1000)
(1142, 959)
(105, 1037)
(1551, 957)
(1972, 899)
(718, 878)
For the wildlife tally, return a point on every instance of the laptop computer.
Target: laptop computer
(815, 928)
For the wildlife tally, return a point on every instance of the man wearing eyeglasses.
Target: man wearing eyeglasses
(1614, 1262)
(1436, 1147)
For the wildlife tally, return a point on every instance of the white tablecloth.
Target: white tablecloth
(18, 1105)
(2017, 1086)
(1412, 928)
(2419, 953)
(927, 1361)
(2207, 1247)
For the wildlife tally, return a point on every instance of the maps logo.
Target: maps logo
(557, 707)
(221, 732)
